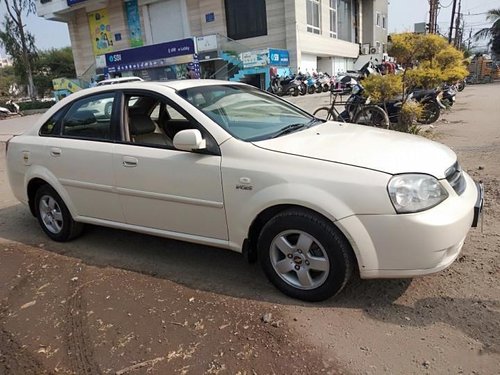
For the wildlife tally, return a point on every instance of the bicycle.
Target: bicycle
(357, 109)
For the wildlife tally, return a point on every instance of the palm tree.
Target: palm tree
(492, 32)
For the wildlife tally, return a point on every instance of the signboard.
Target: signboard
(279, 57)
(134, 23)
(210, 17)
(206, 43)
(252, 59)
(100, 32)
(146, 57)
(73, 2)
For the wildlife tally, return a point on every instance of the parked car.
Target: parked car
(228, 165)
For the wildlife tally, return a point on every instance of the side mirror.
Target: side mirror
(189, 140)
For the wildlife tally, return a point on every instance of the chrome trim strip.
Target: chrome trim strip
(86, 185)
(168, 197)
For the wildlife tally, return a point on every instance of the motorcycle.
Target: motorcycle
(11, 109)
(284, 86)
(449, 95)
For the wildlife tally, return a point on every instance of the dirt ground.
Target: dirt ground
(124, 303)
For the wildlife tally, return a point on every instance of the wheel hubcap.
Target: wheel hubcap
(51, 214)
(299, 259)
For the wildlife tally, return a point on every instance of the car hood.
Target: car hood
(367, 147)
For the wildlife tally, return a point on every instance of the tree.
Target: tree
(428, 61)
(7, 79)
(19, 43)
(492, 32)
(50, 64)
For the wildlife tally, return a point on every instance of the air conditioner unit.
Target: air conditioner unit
(373, 50)
(365, 49)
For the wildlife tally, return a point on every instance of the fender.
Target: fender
(37, 171)
(319, 201)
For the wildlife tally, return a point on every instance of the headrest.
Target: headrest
(84, 117)
(141, 124)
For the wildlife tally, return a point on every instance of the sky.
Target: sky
(402, 15)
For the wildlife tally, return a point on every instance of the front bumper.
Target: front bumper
(408, 245)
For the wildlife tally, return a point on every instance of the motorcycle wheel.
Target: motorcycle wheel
(311, 89)
(303, 89)
(324, 113)
(294, 91)
(319, 89)
(372, 115)
(326, 88)
(430, 113)
(461, 85)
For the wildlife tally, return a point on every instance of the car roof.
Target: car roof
(190, 83)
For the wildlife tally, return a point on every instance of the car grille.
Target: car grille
(455, 177)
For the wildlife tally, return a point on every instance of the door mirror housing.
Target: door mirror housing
(189, 140)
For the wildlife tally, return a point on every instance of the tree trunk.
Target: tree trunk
(26, 57)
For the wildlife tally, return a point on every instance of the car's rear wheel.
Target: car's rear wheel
(54, 217)
(304, 255)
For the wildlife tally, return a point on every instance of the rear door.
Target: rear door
(79, 152)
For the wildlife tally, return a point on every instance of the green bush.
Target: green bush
(35, 105)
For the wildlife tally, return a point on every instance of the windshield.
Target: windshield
(246, 112)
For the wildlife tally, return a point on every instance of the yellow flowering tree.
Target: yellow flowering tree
(428, 60)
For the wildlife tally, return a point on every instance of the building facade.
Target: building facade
(319, 35)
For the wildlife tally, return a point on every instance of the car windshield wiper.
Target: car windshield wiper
(289, 129)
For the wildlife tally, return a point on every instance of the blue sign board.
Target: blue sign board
(73, 2)
(148, 56)
(210, 17)
(279, 57)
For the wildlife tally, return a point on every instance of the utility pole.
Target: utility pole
(433, 10)
(452, 19)
(458, 30)
(470, 39)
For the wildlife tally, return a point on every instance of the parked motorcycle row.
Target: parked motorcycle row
(301, 84)
(433, 101)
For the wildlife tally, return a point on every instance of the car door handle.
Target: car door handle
(55, 151)
(129, 162)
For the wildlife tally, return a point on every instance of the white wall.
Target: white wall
(308, 63)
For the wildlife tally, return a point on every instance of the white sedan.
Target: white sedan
(227, 165)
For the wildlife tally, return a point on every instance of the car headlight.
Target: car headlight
(415, 192)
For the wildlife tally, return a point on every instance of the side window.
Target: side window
(154, 121)
(49, 128)
(90, 118)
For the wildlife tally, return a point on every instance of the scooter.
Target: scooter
(11, 109)
(283, 86)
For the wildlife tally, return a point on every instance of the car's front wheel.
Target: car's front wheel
(304, 255)
(54, 217)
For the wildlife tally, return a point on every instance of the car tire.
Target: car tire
(108, 108)
(54, 217)
(304, 255)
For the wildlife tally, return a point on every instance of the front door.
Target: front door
(164, 188)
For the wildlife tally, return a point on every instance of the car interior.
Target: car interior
(153, 122)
